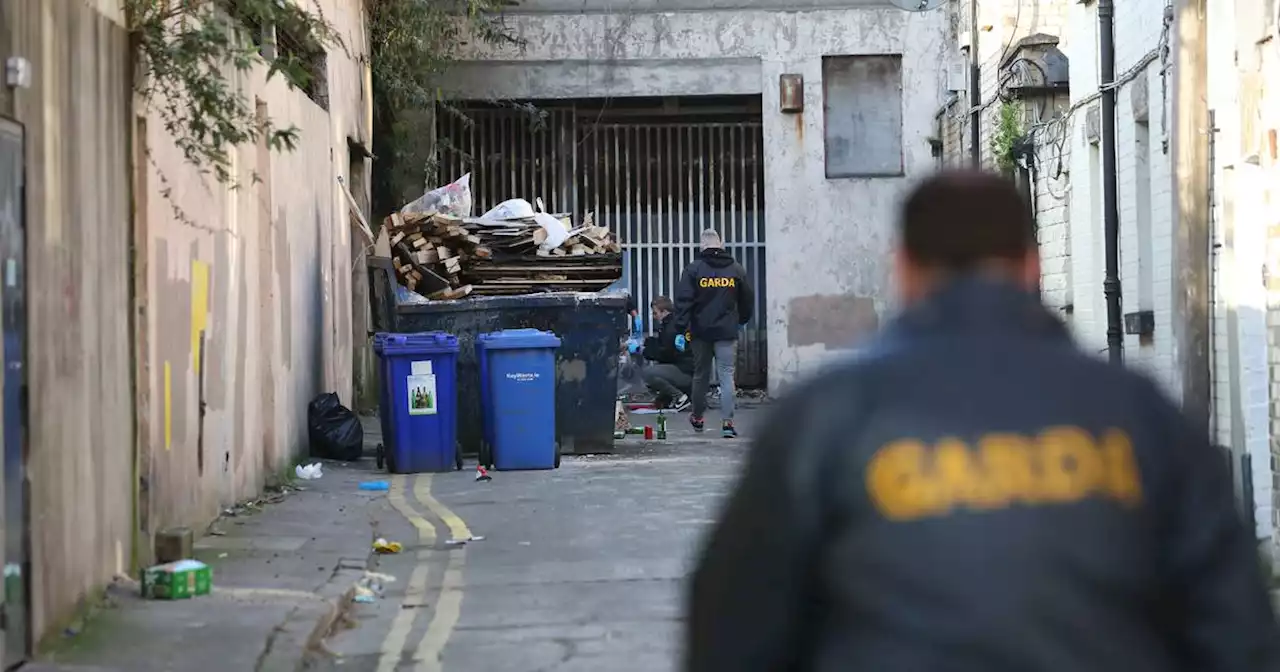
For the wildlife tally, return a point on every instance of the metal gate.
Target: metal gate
(655, 180)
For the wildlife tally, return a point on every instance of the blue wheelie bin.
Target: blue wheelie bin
(518, 398)
(420, 401)
(384, 400)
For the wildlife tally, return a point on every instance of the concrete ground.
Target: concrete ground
(579, 568)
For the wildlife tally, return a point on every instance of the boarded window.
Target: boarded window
(862, 108)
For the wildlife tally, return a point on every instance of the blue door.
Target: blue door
(16, 547)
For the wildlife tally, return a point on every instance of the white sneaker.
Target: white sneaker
(682, 404)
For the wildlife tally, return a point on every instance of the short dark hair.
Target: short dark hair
(958, 219)
(662, 303)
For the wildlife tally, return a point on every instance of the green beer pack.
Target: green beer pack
(179, 580)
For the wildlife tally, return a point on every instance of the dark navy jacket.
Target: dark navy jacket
(974, 494)
(662, 348)
(714, 297)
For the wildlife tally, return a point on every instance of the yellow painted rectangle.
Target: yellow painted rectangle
(168, 407)
(199, 308)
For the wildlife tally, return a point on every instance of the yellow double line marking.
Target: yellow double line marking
(448, 607)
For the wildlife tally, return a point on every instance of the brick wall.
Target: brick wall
(1068, 200)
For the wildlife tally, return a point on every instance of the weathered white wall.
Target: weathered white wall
(276, 307)
(1002, 25)
(827, 238)
(1241, 390)
(1239, 368)
(1264, 143)
(1138, 27)
(79, 434)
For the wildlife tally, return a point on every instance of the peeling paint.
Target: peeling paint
(825, 237)
(571, 371)
(836, 322)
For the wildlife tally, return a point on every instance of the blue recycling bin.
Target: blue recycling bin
(420, 401)
(518, 398)
(384, 396)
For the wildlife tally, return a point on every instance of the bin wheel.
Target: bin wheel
(557, 463)
(379, 455)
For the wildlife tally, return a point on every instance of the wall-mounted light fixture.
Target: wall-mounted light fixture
(791, 93)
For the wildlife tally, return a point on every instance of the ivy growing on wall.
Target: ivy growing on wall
(412, 42)
(188, 54)
(1008, 135)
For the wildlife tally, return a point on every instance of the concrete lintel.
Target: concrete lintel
(484, 80)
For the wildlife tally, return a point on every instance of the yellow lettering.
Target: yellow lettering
(717, 282)
(1007, 460)
(896, 482)
(908, 480)
(1123, 481)
(960, 479)
(1071, 467)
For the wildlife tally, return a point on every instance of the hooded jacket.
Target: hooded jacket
(973, 493)
(713, 298)
(662, 348)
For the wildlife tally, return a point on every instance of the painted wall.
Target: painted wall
(245, 293)
(1002, 26)
(1146, 193)
(828, 272)
(1268, 150)
(80, 440)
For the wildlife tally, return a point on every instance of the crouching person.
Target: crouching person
(670, 374)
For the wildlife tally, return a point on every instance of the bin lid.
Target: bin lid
(378, 339)
(420, 343)
(511, 339)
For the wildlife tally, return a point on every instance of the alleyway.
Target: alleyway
(577, 569)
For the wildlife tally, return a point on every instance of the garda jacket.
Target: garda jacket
(713, 298)
(972, 493)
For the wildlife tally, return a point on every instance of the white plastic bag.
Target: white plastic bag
(556, 233)
(310, 472)
(451, 199)
(515, 208)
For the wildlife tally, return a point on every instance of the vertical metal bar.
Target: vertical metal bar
(723, 192)
(628, 146)
(686, 173)
(704, 181)
(717, 191)
(735, 172)
(550, 164)
(757, 236)
(650, 210)
(617, 182)
(672, 163)
(524, 188)
(597, 167)
(473, 148)
(663, 247)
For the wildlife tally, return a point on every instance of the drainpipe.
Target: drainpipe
(1110, 211)
(975, 88)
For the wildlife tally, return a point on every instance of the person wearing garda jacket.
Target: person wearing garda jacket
(713, 302)
(973, 493)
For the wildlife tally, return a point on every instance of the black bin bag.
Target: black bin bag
(334, 430)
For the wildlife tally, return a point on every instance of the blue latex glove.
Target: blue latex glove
(680, 342)
(632, 346)
(637, 324)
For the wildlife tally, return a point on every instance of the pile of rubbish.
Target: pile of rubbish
(441, 252)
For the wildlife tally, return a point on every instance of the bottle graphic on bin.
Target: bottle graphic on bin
(421, 398)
